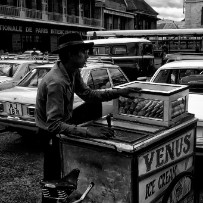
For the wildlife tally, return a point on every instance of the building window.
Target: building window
(202, 17)
(4, 2)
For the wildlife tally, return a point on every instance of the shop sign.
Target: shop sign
(41, 31)
(167, 153)
(154, 186)
(58, 32)
(28, 29)
(11, 28)
(35, 30)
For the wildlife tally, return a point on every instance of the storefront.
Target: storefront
(18, 36)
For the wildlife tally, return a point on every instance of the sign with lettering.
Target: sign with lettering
(41, 30)
(28, 29)
(11, 28)
(154, 186)
(35, 30)
(58, 32)
(167, 153)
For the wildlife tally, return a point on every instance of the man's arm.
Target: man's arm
(87, 94)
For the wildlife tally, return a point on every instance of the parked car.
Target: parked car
(12, 71)
(188, 72)
(29, 52)
(8, 56)
(182, 56)
(134, 55)
(28, 55)
(51, 57)
(17, 105)
(194, 106)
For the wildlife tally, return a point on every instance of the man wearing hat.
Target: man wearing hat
(54, 103)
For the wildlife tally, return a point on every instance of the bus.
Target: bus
(135, 56)
(173, 40)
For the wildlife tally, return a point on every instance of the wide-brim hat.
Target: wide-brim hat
(72, 40)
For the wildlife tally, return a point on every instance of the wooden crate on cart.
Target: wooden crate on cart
(158, 104)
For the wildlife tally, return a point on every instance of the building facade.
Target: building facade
(116, 16)
(193, 13)
(129, 15)
(25, 24)
(145, 15)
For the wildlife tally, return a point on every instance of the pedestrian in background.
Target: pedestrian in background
(46, 55)
(164, 52)
(34, 53)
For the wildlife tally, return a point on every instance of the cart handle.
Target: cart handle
(91, 185)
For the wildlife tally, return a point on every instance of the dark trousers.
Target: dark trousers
(52, 160)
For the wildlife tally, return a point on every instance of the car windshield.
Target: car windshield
(99, 77)
(33, 78)
(8, 69)
(101, 50)
(192, 77)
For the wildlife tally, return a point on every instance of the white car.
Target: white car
(182, 56)
(195, 107)
(187, 72)
(17, 105)
(28, 54)
(12, 71)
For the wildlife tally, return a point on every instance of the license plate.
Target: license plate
(14, 109)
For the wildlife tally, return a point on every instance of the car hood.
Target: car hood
(5, 79)
(27, 96)
(195, 105)
(19, 95)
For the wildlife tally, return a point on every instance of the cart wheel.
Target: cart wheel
(179, 188)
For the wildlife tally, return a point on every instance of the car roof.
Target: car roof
(116, 40)
(30, 51)
(183, 64)
(184, 56)
(88, 65)
(100, 64)
(48, 65)
(17, 61)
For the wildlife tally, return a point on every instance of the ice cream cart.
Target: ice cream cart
(151, 156)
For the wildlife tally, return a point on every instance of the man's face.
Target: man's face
(79, 58)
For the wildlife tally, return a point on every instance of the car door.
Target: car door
(169, 76)
(117, 77)
(99, 79)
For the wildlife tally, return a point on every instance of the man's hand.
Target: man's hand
(100, 132)
(125, 92)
